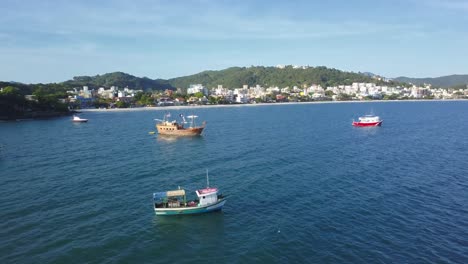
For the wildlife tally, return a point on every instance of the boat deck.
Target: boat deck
(180, 204)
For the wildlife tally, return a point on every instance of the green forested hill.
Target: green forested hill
(24, 88)
(234, 77)
(107, 80)
(270, 76)
(119, 79)
(443, 81)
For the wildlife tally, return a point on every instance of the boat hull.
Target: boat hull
(191, 210)
(367, 124)
(191, 131)
(81, 121)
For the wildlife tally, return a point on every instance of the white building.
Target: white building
(196, 88)
(242, 98)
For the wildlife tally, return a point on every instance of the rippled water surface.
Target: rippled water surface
(303, 185)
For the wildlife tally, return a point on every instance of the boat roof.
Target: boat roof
(159, 195)
(207, 191)
(175, 193)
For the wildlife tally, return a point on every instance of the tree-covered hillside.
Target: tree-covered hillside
(119, 79)
(234, 77)
(443, 81)
(271, 76)
(13, 103)
(107, 80)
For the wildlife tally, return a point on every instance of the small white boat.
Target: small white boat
(78, 119)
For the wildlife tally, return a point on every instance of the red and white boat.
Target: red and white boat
(368, 120)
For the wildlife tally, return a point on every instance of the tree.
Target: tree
(344, 97)
(198, 94)
(138, 96)
(212, 100)
(12, 102)
(121, 104)
(11, 91)
(390, 97)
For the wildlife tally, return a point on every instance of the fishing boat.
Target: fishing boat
(174, 128)
(368, 120)
(175, 202)
(78, 119)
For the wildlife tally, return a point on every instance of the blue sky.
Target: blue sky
(52, 41)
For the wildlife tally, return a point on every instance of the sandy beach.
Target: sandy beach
(165, 108)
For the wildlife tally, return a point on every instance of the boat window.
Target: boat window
(203, 197)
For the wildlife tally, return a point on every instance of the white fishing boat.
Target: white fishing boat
(175, 202)
(78, 119)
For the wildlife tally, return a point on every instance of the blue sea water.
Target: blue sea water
(304, 186)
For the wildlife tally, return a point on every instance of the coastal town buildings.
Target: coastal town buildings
(258, 93)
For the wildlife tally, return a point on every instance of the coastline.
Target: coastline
(158, 108)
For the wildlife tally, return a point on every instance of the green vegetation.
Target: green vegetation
(144, 99)
(13, 104)
(118, 79)
(391, 97)
(107, 80)
(443, 82)
(236, 77)
(329, 93)
(122, 104)
(198, 95)
(344, 97)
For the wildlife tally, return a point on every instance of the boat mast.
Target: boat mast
(207, 180)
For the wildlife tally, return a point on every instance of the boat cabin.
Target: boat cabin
(207, 196)
(369, 119)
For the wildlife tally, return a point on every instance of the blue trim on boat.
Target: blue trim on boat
(191, 210)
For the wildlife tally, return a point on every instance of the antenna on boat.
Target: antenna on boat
(207, 180)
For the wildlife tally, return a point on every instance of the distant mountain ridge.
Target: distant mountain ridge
(233, 77)
(443, 81)
(236, 77)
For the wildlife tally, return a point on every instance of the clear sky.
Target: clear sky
(52, 41)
